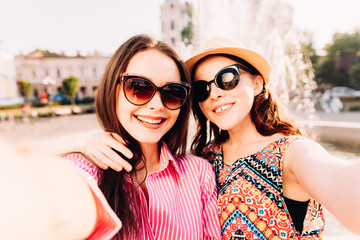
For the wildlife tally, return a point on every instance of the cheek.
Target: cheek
(205, 108)
(246, 96)
(174, 116)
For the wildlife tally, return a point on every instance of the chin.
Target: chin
(146, 140)
(225, 127)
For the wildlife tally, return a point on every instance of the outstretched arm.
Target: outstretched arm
(42, 197)
(100, 151)
(333, 182)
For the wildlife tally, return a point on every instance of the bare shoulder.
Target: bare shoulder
(305, 147)
(304, 154)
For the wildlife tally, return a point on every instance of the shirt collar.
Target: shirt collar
(167, 157)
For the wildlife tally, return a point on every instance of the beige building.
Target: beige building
(174, 18)
(46, 71)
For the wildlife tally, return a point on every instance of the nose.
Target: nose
(216, 92)
(156, 102)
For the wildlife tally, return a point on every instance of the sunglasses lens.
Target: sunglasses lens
(138, 91)
(201, 90)
(173, 95)
(228, 78)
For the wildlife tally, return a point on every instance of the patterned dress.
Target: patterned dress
(250, 201)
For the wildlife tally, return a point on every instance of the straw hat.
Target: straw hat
(225, 46)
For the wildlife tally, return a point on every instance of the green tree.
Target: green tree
(70, 87)
(341, 56)
(355, 74)
(187, 34)
(308, 50)
(25, 89)
(46, 52)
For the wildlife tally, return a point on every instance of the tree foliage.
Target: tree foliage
(46, 52)
(339, 67)
(25, 88)
(308, 49)
(187, 34)
(70, 87)
(355, 74)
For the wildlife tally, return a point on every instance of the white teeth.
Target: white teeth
(147, 120)
(222, 108)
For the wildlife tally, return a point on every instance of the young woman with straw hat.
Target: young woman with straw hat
(270, 179)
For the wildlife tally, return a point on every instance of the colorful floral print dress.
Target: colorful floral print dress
(250, 201)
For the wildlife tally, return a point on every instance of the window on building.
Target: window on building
(58, 73)
(94, 72)
(34, 73)
(36, 93)
(83, 90)
(173, 41)
(172, 5)
(172, 25)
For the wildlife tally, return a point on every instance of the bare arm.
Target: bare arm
(99, 149)
(42, 197)
(333, 182)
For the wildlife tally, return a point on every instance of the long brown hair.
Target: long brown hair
(265, 113)
(112, 182)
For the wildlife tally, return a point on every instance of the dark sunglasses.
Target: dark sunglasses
(226, 79)
(139, 90)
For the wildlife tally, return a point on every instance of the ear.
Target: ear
(259, 84)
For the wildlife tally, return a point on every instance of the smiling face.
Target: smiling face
(227, 108)
(150, 122)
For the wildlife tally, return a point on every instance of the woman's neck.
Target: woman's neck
(245, 140)
(151, 157)
(244, 133)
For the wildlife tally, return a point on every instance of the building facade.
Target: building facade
(8, 88)
(174, 18)
(47, 71)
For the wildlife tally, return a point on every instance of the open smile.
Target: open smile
(223, 108)
(152, 121)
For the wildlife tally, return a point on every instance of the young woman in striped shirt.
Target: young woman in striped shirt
(143, 97)
(271, 180)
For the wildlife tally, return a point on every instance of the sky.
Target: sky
(325, 17)
(92, 25)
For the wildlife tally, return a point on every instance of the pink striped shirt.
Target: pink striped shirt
(182, 198)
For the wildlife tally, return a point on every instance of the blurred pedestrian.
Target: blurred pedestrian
(25, 112)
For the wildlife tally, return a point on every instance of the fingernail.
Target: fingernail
(118, 169)
(128, 168)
